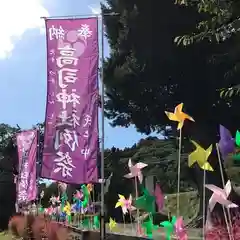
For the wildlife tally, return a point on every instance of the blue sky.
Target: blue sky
(23, 63)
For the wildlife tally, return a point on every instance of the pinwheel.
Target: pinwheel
(62, 186)
(236, 156)
(180, 231)
(159, 197)
(89, 188)
(125, 204)
(96, 223)
(78, 195)
(112, 224)
(169, 227)
(41, 194)
(179, 116)
(54, 200)
(135, 170)
(146, 202)
(200, 155)
(67, 209)
(226, 143)
(220, 196)
(149, 227)
(49, 211)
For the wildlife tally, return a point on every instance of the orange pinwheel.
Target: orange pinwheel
(90, 187)
(179, 116)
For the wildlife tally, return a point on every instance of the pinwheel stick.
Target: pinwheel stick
(229, 226)
(179, 171)
(136, 193)
(204, 205)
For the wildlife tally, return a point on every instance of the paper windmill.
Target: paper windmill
(112, 224)
(179, 116)
(220, 196)
(135, 170)
(96, 222)
(237, 141)
(85, 190)
(149, 227)
(146, 202)
(180, 231)
(169, 227)
(125, 204)
(55, 200)
(67, 209)
(78, 195)
(226, 143)
(159, 197)
(200, 155)
(41, 194)
(49, 211)
(90, 188)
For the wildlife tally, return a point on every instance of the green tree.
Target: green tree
(143, 78)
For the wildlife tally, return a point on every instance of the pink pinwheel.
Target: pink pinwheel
(159, 197)
(135, 170)
(49, 211)
(55, 200)
(220, 196)
(125, 204)
(78, 194)
(180, 231)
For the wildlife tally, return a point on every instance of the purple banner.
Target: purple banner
(71, 124)
(27, 153)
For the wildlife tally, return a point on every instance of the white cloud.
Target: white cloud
(16, 17)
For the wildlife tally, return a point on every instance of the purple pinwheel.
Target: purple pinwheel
(226, 143)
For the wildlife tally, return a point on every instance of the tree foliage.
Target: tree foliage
(148, 73)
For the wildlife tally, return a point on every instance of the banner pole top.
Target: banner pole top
(80, 16)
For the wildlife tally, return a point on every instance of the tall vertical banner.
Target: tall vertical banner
(71, 133)
(27, 154)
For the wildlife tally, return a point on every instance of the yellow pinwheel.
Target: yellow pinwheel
(112, 224)
(179, 116)
(200, 155)
(67, 209)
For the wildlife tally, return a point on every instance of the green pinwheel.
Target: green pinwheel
(149, 227)
(64, 198)
(96, 223)
(146, 202)
(86, 195)
(237, 142)
(169, 227)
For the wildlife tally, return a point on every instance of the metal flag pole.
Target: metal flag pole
(102, 226)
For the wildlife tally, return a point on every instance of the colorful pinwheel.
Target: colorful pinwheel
(236, 156)
(180, 230)
(54, 200)
(200, 155)
(226, 143)
(49, 211)
(169, 227)
(149, 227)
(90, 188)
(135, 170)
(159, 197)
(220, 196)
(146, 202)
(179, 116)
(125, 204)
(112, 224)
(67, 209)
